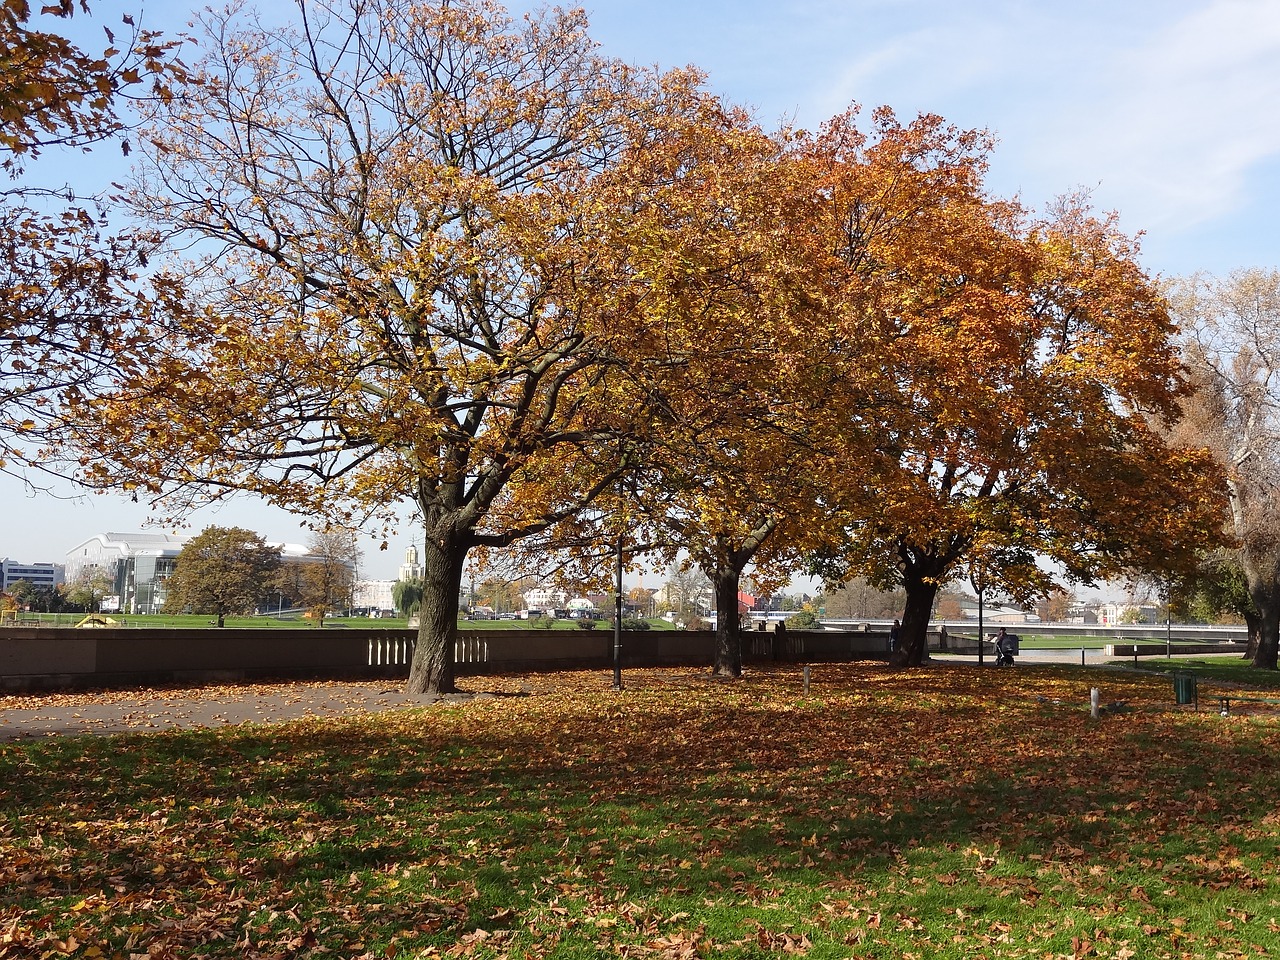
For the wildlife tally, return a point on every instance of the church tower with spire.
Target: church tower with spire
(411, 569)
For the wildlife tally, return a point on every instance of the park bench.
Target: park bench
(1186, 690)
(1225, 700)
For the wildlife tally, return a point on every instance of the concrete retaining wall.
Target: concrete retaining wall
(51, 657)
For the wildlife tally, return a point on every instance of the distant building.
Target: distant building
(671, 595)
(48, 575)
(1082, 613)
(545, 598)
(411, 569)
(138, 565)
(996, 613)
(374, 598)
(1113, 614)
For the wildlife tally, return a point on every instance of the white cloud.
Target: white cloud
(1172, 126)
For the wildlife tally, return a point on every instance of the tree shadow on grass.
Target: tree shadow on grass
(703, 798)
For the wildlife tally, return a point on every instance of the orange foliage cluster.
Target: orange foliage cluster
(437, 255)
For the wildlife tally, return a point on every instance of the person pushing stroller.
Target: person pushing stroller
(1006, 648)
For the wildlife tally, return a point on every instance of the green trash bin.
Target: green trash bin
(1184, 688)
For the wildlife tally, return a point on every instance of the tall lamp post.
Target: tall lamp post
(978, 577)
(617, 621)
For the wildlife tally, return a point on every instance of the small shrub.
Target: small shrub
(634, 623)
(585, 624)
(804, 620)
(542, 623)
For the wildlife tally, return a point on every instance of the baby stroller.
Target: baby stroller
(1006, 648)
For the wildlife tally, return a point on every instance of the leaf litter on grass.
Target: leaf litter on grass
(945, 811)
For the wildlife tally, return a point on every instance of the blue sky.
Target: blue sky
(1168, 111)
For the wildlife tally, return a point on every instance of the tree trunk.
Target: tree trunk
(913, 636)
(1268, 631)
(728, 654)
(1261, 582)
(1253, 625)
(433, 657)
(222, 619)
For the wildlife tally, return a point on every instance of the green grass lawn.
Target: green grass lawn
(947, 812)
(1230, 670)
(1035, 642)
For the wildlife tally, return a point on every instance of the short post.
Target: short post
(1082, 656)
(806, 678)
(1094, 696)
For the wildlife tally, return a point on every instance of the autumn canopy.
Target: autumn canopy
(430, 254)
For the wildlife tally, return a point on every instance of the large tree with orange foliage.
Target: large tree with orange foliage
(392, 229)
(1024, 365)
(729, 358)
(721, 361)
(1028, 360)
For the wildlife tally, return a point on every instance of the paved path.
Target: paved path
(1093, 657)
(25, 716)
(132, 711)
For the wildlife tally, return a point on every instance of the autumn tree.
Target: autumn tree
(1030, 360)
(66, 282)
(1233, 332)
(685, 590)
(388, 216)
(1056, 606)
(949, 603)
(325, 578)
(725, 356)
(858, 599)
(88, 588)
(22, 592)
(640, 599)
(1217, 592)
(222, 571)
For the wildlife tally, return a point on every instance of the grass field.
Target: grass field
(946, 812)
(1232, 670)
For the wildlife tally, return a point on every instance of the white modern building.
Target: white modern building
(137, 566)
(1117, 613)
(48, 575)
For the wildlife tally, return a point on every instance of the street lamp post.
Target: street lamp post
(617, 621)
(978, 577)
